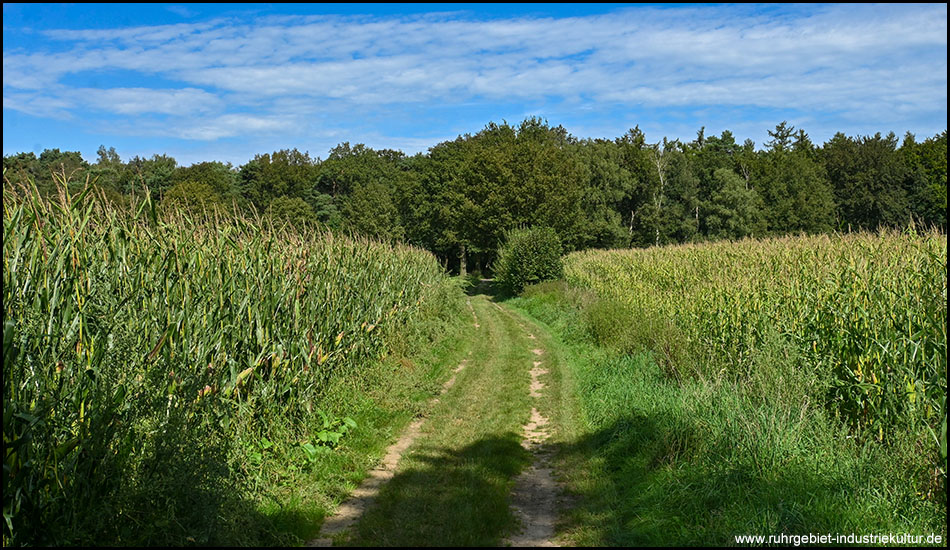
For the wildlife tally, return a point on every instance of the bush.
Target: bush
(528, 256)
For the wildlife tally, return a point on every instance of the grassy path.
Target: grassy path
(477, 471)
(535, 405)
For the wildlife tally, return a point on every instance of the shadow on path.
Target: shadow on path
(475, 286)
(447, 497)
(650, 479)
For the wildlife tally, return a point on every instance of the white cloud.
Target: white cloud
(38, 105)
(139, 101)
(231, 75)
(231, 125)
(181, 10)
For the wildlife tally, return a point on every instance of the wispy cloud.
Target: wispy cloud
(139, 101)
(182, 11)
(230, 125)
(228, 76)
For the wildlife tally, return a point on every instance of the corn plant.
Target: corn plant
(137, 338)
(865, 313)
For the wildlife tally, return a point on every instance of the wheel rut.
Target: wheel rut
(535, 497)
(363, 497)
(428, 479)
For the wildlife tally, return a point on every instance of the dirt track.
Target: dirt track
(505, 354)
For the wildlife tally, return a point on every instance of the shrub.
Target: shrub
(528, 256)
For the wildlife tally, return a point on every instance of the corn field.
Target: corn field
(866, 313)
(130, 335)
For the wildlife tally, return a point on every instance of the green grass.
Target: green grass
(453, 486)
(300, 494)
(661, 461)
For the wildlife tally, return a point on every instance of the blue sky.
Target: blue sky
(226, 82)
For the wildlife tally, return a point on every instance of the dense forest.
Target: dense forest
(459, 199)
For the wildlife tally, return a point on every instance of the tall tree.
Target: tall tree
(735, 210)
(363, 184)
(370, 210)
(781, 137)
(107, 170)
(636, 160)
(154, 174)
(607, 184)
(286, 172)
(870, 181)
(21, 168)
(656, 217)
(797, 194)
(926, 166)
(219, 177)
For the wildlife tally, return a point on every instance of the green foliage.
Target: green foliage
(608, 184)
(371, 211)
(781, 138)
(217, 176)
(475, 188)
(192, 196)
(286, 172)
(326, 437)
(66, 165)
(735, 211)
(349, 167)
(157, 362)
(110, 195)
(325, 209)
(870, 181)
(108, 169)
(460, 198)
(927, 179)
(292, 210)
(154, 174)
(28, 170)
(21, 168)
(798, 195)
(528, 256)
(865, 314)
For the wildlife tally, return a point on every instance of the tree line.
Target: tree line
(460, 198)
